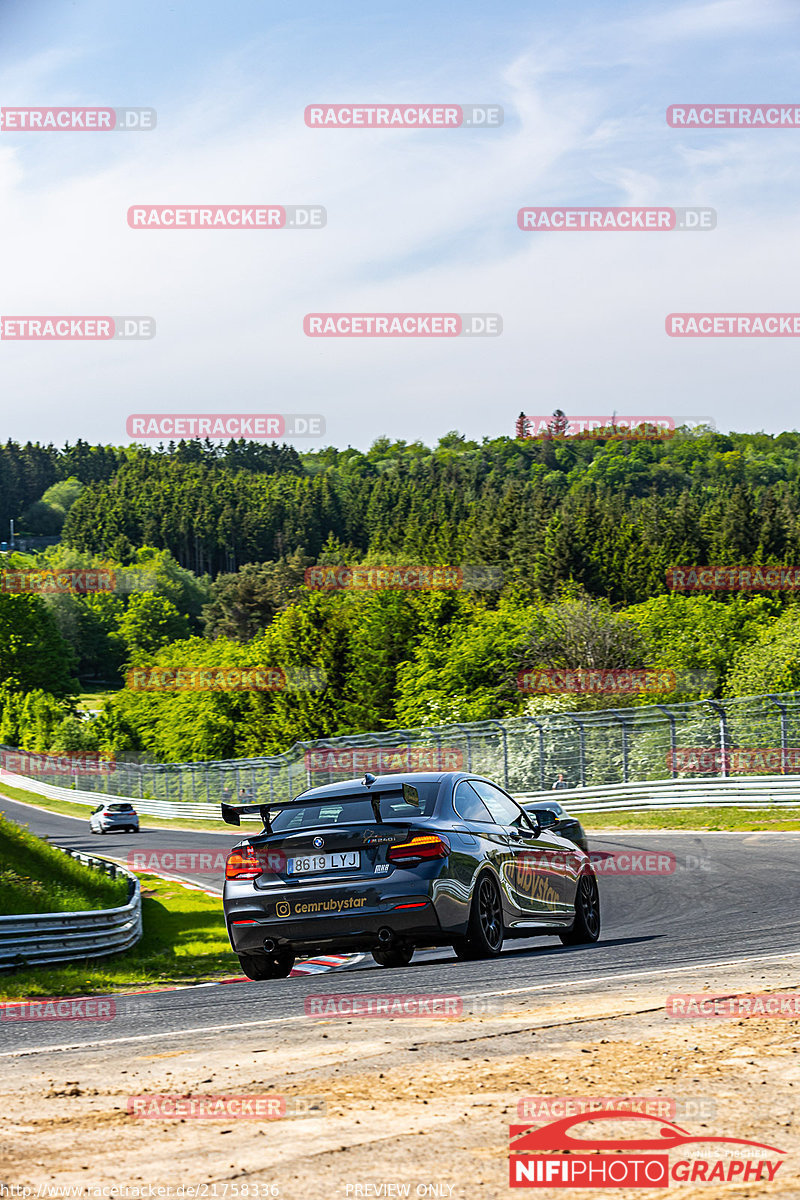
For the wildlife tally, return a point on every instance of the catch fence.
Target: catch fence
(748, 736)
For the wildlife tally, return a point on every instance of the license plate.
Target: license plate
(309, 863)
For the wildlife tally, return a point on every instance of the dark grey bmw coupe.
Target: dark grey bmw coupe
(395, 862)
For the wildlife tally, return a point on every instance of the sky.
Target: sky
(417, 220)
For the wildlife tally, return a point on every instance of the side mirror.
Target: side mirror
(532, 820)
(547, 818)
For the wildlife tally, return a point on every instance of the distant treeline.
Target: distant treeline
(609, 515)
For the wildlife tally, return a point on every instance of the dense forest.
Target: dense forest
(215, 543)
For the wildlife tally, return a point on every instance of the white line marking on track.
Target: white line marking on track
(540, 987)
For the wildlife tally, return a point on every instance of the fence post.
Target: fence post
(784, 731)
(540, 727)
(581, 745)
(673, 744)
(723, 735)
(502, 729)
(623, 722)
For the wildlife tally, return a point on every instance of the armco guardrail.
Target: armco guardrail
(742, 792)
(41, 938)
(154, 808)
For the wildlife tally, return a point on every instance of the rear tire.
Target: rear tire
(485, 930)
(267, 966)
(397, 955)
(586, 926)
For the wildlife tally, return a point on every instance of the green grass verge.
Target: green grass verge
(95, 696)
(146, 822)
(184, 942)
(35, 877)
(734, 819)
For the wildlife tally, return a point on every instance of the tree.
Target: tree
(244, 604)
(771, 662)
(559, 426)
(150, 622)
(33, 654)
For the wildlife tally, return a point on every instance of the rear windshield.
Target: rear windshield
(120, 808)
(345, 810)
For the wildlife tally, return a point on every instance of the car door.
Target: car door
(537, 866)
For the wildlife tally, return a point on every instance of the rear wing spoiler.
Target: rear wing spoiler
(232, 813)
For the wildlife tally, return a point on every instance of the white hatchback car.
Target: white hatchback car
(114, 815)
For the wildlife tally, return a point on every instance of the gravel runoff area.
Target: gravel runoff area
(414, 1106)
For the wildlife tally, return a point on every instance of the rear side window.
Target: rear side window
(469, 805)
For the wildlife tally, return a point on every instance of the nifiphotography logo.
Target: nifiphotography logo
(655, 1154)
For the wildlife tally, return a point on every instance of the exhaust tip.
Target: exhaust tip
(385, 935)
(270, 946)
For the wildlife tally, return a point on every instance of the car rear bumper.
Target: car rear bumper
(309, 928)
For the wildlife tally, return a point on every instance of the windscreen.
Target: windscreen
(347, 810)
(120, 808)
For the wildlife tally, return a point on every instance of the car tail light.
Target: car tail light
(243, 863)
(422, 846)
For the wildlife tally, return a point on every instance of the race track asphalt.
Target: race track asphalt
(730, 896)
